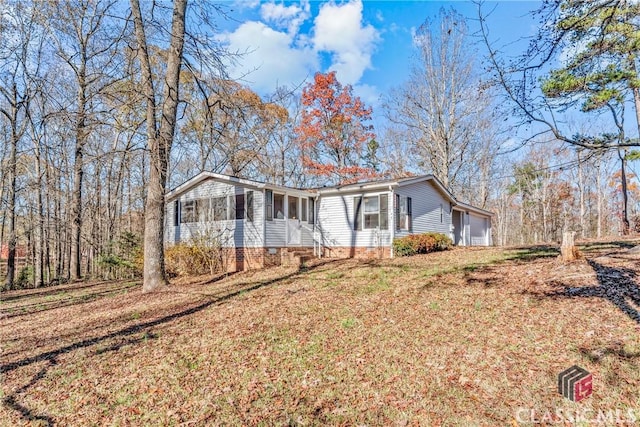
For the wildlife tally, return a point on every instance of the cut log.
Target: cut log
(568, 251)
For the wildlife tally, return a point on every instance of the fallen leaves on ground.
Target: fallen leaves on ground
(465, 337)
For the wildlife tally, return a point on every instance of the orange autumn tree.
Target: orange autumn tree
(336, 143)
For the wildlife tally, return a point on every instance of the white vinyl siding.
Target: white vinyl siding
(335, 222)
(430, 209)
(228, 231)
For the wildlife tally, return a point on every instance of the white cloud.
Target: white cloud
(275, 50)
(289, 17)
(339, 30)
(368, 94)
(270, 57)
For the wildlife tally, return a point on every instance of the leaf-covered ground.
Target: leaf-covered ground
(465, 337)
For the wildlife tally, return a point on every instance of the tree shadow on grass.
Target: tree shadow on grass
(530, 253)
(126, 336)
(16, 295)
(68, 299)
(606, 246)
(617, 285)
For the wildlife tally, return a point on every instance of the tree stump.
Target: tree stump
(568, 251)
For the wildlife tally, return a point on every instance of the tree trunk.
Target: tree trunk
(11, 211)
(76, 204)
(38, 271)
(568, 250)
(159, 142)
(625, 196)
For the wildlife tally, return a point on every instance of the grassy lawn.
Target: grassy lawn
(465, 337)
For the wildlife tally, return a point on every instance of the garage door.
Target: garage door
(478, 225)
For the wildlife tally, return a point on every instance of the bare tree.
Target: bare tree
(17, 90)
(443, 109)
(160, 132)
(86, 40)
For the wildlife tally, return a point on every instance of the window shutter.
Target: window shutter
(357, 216)
(249, 211)
(409, 215)
(312, 211)
(384, 212)
(268, 195)
(239, 206)
(176, 213)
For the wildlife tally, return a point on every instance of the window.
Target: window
(239, 202)
(278, 206)
(384, 211)
(231, 213)
(371, 212)
(403, 213)
(293, 208)
(202, 210)
(303, 210)
(249, 210)
(268, 195)
(189, 211)
(219, 208)
(312, 211)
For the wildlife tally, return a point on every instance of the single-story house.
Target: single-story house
(257, 223)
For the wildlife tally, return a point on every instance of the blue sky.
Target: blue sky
(368, 43)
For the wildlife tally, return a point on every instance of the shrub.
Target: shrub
(122, 257)
(421, 244)
(25, 278)
(192, 259)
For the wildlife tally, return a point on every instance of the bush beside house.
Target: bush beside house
(421, 244)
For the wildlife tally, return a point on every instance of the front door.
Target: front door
(294, 227)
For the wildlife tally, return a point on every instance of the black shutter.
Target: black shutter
(268, 195)
(409, 215)
(176, 213)
(239, 206)
(357, 216)
(384, 212)
(249, 211)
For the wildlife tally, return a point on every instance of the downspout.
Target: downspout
(392, 224)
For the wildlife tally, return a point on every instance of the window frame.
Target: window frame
(215, 204)
(404, 212)
(370, 213)
(249, 210)
(304, 208)
(188, 211)
(363, 219)
(274, 216)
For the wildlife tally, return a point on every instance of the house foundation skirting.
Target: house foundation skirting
(242, 259)
(357, 252)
